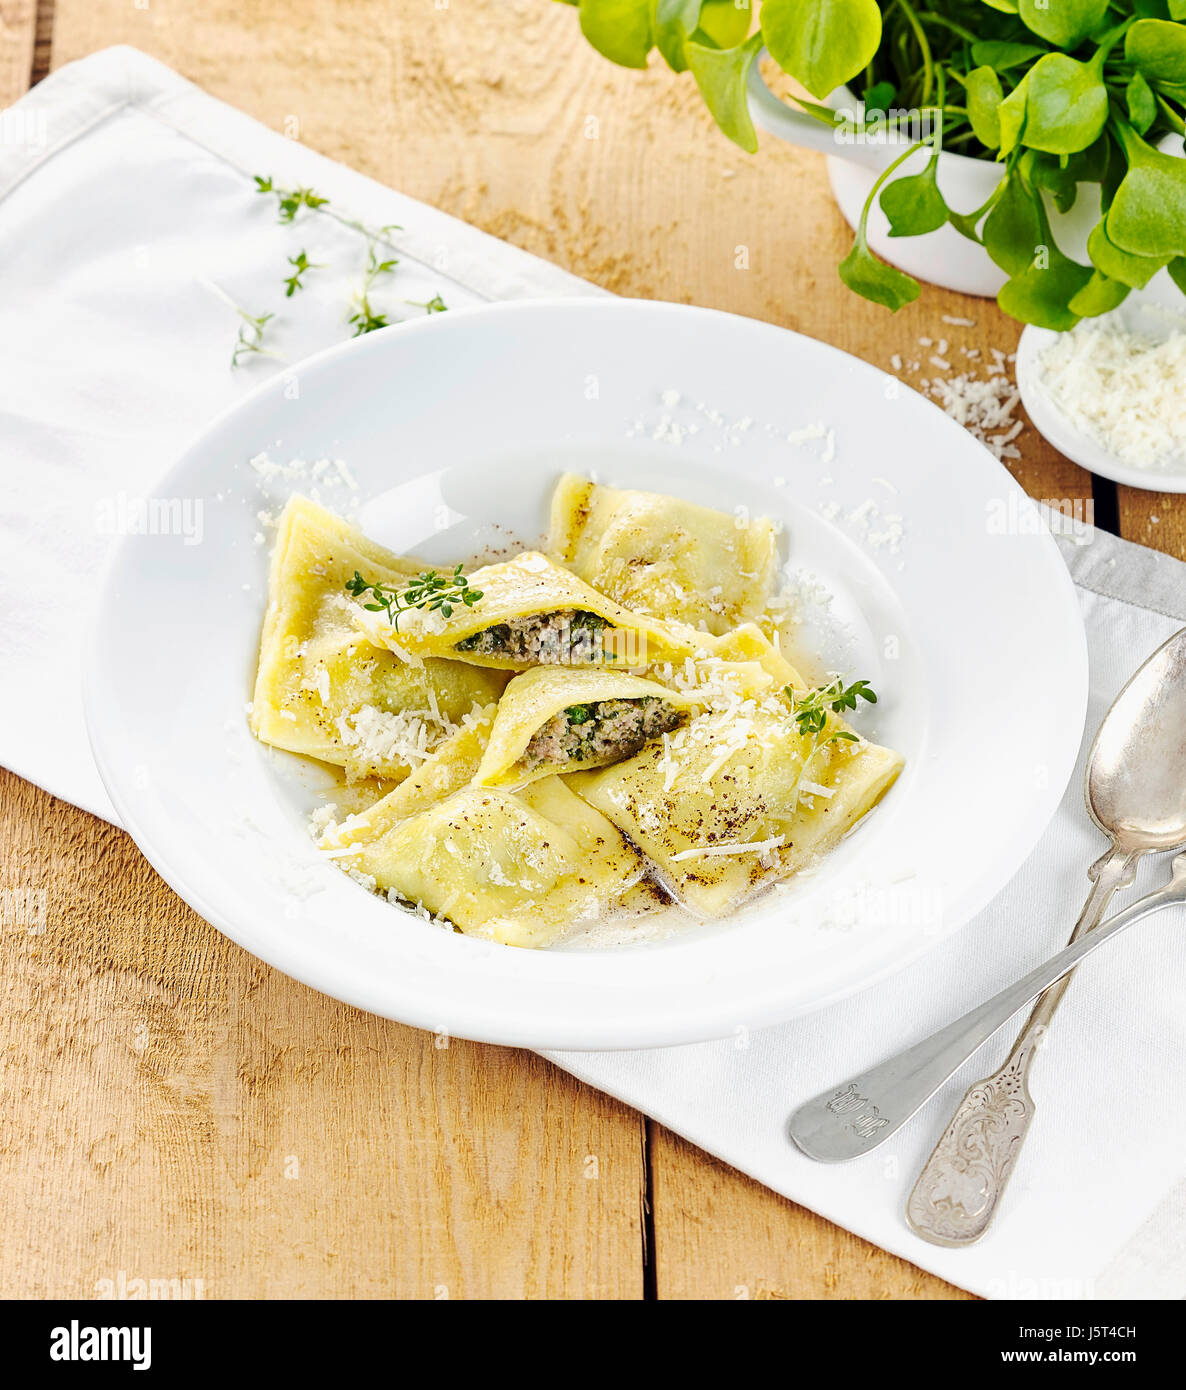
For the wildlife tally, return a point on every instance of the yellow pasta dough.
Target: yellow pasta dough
(663, 556)
(323, 689)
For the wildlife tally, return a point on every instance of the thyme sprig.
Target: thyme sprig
(810, 708)
(430, 591)
(364, 318)
(289, 201)
(300, 263)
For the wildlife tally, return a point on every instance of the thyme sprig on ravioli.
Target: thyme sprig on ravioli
(810, 708)
(429, 591)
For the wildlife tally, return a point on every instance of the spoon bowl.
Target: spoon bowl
(1136, 777)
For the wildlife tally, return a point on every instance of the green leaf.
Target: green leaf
(1141, 103)
(674, 22)
(1099, 296)
(1063, 22)
(1134, 271)
(1053, 174)
(914, 204)
(1148, 213)
(966, 222)
(1178, 9)
(821, 43)
(725, 23)
(879, 97)
(720, 74)
(1066, 105)
(1012, 230)
(1001, 55)
(1157, 49)
(1005, 6)
(619, 30)
(984, 96)
(1041, 293)
(1089, 165)
(862, 272)
(1011, 116)
(1177, 270)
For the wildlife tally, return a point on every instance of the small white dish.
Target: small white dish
(943, 588)
(1150, 312)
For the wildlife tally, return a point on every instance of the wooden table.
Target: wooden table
(175, 1109)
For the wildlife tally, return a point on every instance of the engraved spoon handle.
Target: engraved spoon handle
(847, 1121)
(956, 1195)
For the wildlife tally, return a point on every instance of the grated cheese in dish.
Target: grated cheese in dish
(1124, 391)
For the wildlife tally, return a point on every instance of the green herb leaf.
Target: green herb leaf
(821, 43)
(1066, 105)
(619, 30)
(1130, 270)
(1054, 175)
(1041, 292)
(1177, 270)
(1157, 49)
(984, 96)
(1003, 55)
(1148, 213)
(914, 204)
(1141, 103)
(1011, 116)
(725, 22)
(810, 708)
(879, 97)
(674, 23)
(1012, 230)
(430, 591)
(1063, 22)
(721, 74)
(862, 272)
(1099, 296)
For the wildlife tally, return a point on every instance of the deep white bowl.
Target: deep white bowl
(960, 612)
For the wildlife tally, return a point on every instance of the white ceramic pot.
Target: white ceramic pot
(944, 257)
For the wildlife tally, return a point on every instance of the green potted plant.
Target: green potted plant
(1045, 109)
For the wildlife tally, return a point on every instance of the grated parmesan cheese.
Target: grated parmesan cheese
(754, 847)
(1120, 389)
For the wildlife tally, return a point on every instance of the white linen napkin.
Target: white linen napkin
(126, 196)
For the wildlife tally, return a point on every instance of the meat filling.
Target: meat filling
(568, 638)
(605, 731)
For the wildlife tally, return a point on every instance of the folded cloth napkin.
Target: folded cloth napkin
(128, 218)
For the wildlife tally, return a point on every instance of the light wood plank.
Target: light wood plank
(18, 27)
(175, 1109)
(720, 1236)
(1157, 519)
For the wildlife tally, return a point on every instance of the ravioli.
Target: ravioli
(535, 613)
(663, 556)
(554, 719)
(451, 766)
(739, 798)
(324, 690)
(517, 868)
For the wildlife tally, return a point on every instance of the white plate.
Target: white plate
(455, 428)
(1150, 312)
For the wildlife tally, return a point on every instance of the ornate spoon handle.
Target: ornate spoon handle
(848, 1120)
(956, 1195)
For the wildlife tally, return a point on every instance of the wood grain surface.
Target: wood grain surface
(177, 1111)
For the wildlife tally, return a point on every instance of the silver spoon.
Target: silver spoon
(853, 1118)
(1136, 794)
